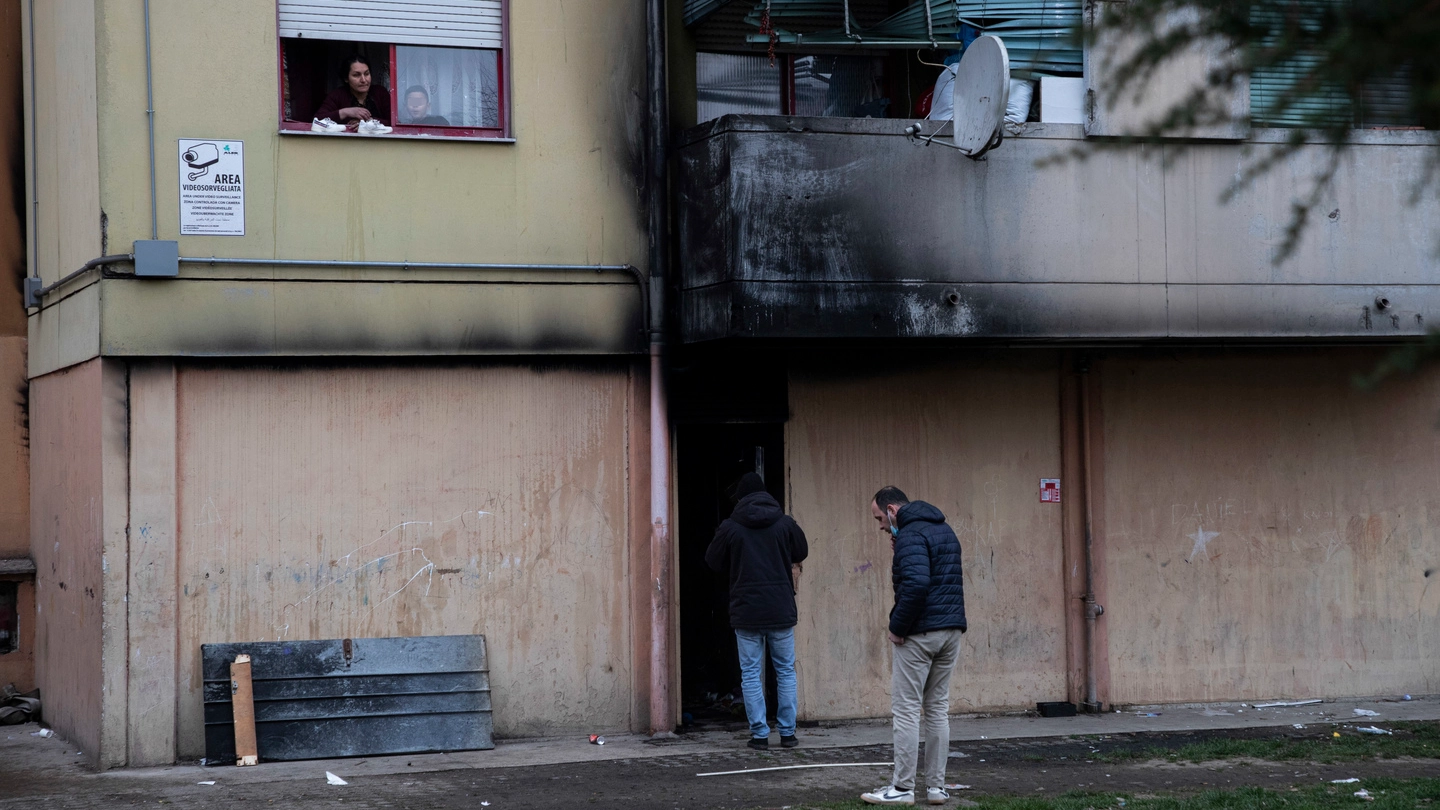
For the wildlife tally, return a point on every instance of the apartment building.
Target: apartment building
(475, 371)
(1141, 424)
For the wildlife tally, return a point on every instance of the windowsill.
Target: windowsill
(17, 567)
(396, 136)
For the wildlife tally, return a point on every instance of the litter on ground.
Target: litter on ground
(1364, 794)
(1366, 713)
(211, 782)
(1344, 781)
(1280, 703)
(957, 786)
(334, 780)
(1373, 730)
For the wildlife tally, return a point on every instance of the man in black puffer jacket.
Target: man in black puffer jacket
(756, 547)
(925, 627)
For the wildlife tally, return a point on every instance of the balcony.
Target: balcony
(845, 228)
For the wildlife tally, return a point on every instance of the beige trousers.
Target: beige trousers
(920, 691)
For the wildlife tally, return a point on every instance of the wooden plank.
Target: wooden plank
(243, 701)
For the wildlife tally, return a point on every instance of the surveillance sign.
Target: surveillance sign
(212, 188)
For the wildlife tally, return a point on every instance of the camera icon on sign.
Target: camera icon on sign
(201, 156)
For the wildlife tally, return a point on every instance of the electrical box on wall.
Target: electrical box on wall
(157, 258)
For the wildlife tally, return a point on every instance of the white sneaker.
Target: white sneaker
(373, 127)
(325, 125)
(888, 795)
(937, 795)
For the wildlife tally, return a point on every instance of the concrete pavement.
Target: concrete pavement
(19, 751)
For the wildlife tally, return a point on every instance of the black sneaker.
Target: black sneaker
(788, 742)
(760, 743)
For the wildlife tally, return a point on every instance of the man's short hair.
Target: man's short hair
(890, 495)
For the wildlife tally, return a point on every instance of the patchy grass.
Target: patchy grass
(1410, 739)
(1386, 794)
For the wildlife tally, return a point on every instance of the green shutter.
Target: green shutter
(1275, 96)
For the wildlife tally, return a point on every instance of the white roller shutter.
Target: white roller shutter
(454, 23)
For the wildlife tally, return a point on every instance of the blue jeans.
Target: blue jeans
(752, 645)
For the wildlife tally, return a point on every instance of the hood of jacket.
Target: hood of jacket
(758, 510)
(918, 510)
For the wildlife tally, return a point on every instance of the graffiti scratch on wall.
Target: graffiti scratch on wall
(349, 570)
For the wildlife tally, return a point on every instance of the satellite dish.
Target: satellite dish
(982, 85)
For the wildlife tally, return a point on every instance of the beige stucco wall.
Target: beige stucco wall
(973, 437)
(1317, 574)
(14, 456)
(68, 151)
(565, 192)
(397, 501)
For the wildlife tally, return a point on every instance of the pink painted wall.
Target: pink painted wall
(329, 502)
(973, 437)
(1270, 530)
(66, 527)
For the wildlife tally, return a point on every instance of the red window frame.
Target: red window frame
(502, 69)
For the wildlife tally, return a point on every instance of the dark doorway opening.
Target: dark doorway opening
(711, 459)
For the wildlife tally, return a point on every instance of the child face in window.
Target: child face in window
(417, 104)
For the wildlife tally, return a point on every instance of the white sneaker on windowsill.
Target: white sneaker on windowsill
(373, 127)
(325, 125)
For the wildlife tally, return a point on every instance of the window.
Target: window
(863, 58)
(829, 86)
(437, 66)
(9, 617)
(1300, 92)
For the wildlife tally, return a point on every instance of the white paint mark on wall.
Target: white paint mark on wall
(402, 526)
(282, 627)
(936, 317)
(209, 515)
(1202, 539)
(428, 569)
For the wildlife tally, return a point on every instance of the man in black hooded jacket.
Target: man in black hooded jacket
(757, 546)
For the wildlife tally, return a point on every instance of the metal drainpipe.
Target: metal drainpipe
(1093, 610)
(662, 713)
(150, 115)
(32, 284)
